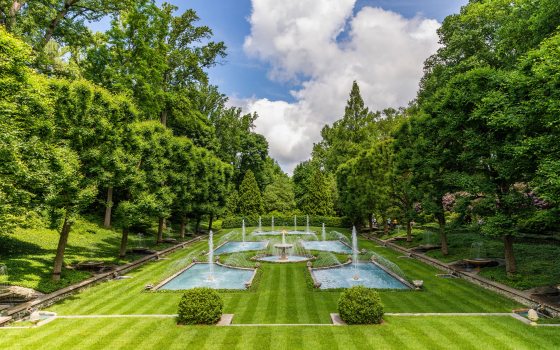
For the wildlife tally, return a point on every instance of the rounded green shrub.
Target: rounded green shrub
(200, 306)
(360, 305)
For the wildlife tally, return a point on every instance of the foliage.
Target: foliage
(360, 305)
(279, 195)
(281, 220)
(250, 199)
(200, 306)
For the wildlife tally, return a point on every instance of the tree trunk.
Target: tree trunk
(385, 226)
(197, 227)
(55, 22)
(12, 15)
(160, 231)
(163, 117)
(183, 226)
(408, 230)
(108, 207)
(62, 241)
(124, 241)
(443, 235)
(508, 253)
(210, 222)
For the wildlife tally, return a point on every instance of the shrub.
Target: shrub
(360, 305)
(200, 306)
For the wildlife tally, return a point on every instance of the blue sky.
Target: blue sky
(293, 61)
(242, 76)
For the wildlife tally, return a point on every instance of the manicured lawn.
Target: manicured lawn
(29, 253)
(282, 295)
(396, 333)
(536, 261)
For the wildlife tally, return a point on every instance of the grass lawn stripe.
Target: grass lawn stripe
(388, 330)
(129, 334)
(451, 332)
(419, 331)
(263, 337)
(273, 306)
(116, 330)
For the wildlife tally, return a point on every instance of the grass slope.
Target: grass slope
(536, 260)
(29, 254)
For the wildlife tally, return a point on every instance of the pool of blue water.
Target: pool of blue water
(234, 247)
(198, 276)
(277, 233)
(328, 246)
(291, 258)
(370, 275)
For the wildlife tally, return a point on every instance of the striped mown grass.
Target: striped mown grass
(396, 333)
(282, 296)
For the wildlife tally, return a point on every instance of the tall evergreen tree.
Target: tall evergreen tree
(250, 199)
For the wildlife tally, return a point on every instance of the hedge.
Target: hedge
(285, 220)
(360, 305)
(200, 306)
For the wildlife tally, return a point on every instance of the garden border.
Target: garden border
(499, 288)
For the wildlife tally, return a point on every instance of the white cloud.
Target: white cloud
(383, 51)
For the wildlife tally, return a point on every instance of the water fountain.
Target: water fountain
(324, 232)
(283, 247)
(260, 224)
(478, 257)
(307, 224)
(272, 223)
(211, 256)
(355, 253)
(243, 230)
(295, 223)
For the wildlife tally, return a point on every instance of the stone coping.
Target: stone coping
(18, 311)
(225, 320)
(517, 295)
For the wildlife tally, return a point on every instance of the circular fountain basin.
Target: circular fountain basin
(481, 262)
(288, 259)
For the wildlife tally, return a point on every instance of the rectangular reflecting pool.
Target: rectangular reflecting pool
(327, 246)
(234, 247)
(367, 274)
(198, 275)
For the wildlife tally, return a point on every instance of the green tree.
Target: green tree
(279, 195)
(250, 199)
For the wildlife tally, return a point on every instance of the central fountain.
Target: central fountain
(283, 247)
(323, 233)
(243, 230)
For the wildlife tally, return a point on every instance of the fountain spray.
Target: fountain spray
(307, 224)
(355, 253)
(211, 256)
(243, 230)
(324, 232)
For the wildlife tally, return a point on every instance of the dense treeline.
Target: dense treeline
(123, 124)
(480, 144)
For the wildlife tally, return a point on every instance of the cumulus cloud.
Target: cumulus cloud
(300, 39)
